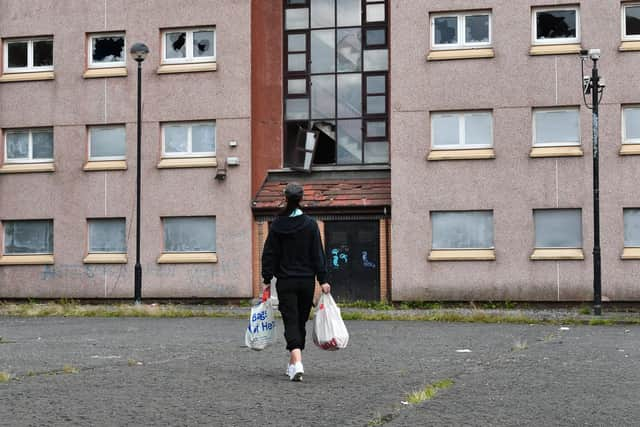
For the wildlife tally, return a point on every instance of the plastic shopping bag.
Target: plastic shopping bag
(262, 325)
(329, 331)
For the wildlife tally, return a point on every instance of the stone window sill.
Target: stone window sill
(188, 162)
(188, 258)
(95, 73)
(462, 255)
(187, 68)
(630, 253)
(557, 254)
(555, 49)
(474, 154)
(569, 151)
(444, 55)
(27, 167)
(629, 46)
(105, 259)
(27, 77)
(26, 260)
(110, 165)
(630, 150)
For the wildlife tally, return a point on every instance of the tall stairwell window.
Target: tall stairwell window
(335, 89)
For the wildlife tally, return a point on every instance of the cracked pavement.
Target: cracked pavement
(195, 371)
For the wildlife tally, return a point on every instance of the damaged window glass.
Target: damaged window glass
(176, 45)
(107, 50)
(203, 43)
(556, 24)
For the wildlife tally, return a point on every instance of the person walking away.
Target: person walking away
(293, 253)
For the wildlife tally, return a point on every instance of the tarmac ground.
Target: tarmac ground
(196, 371)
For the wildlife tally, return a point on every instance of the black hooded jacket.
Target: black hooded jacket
(294, 249)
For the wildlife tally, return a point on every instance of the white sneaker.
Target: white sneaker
(289, 368)
(296, 371)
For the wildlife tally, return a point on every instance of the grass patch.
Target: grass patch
(429, 391)
(584, 310)
(69, 369)
(4, 376)
(379, 420)
(372, 305)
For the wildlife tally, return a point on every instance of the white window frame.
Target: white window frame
(189, 153)
(461, 130)
(30, 159)
(462, 44)
(189, 58)
(30, 67)
(104, 158)
(626, 140)
(623, 27)
(91, 64)
(534, 32)
(555, 143)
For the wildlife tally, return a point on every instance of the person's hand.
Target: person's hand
(325, 288)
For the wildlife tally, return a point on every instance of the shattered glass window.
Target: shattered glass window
(203, 43)
(556, 24)
(107, 50)
(446, 30)
(176, 45)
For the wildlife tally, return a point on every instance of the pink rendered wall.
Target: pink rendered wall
(513, 184)
(69, 103)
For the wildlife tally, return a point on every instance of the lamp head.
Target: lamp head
(139, 51)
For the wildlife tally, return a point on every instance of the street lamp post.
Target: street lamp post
(139, 52)
(594, 86)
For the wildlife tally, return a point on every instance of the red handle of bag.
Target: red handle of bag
(266, 294)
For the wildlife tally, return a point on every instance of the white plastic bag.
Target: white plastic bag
(329, 331)
(262, 325)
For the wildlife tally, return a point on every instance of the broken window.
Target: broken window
(28, 55)
(556, 25)
(189, 45)
(326, 64)
(107, 50)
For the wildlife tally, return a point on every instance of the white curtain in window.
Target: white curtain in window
(632, 227)
(28, 237)
(189, 234)
(462, 230)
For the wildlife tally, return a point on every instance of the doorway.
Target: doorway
(353, 252)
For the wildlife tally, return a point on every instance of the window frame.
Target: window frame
(555, 41)
(105, 158)
(555, 143)
(189, 58)
(91, 65)
(623, 28)
(461, 130)
(30, 68)
(30, 159)
(535, 243)
(490, 211)
(90, 251)
(188, 154)
(3, 238)
(215, 243)
(625, 139)
(461, 20)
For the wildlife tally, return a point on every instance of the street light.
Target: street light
(594, 86)
(139, 52)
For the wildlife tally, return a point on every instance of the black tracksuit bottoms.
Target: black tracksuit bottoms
(295, 297)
